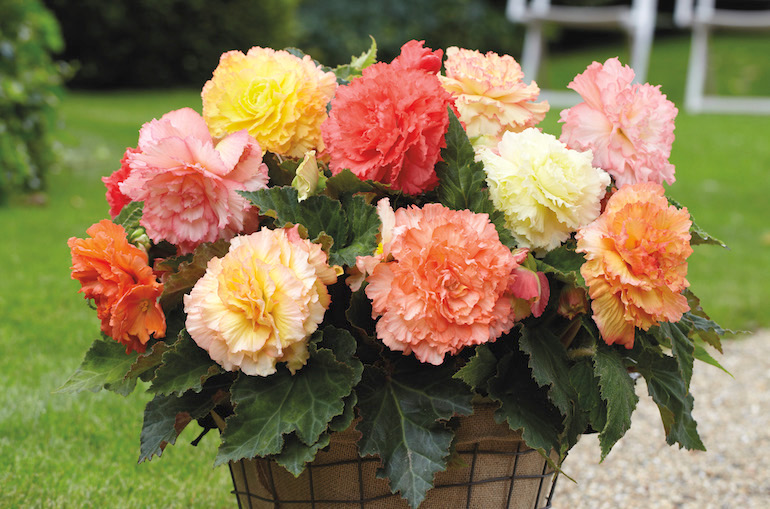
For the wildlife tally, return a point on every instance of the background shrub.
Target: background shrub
(164, 43)
(333, 30)
(30, 89)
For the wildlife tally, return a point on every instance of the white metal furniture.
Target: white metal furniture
(637, 18)
(702, 17)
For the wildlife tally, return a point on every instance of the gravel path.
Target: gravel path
(642, 471)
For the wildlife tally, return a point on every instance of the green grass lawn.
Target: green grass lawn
(63, 450)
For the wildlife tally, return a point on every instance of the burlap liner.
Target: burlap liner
(499, 471)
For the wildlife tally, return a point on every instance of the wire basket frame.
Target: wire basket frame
(497, 471)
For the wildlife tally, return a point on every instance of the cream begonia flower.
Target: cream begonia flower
(257, 305)
(545, 190)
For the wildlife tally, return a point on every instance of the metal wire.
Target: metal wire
(361, 502)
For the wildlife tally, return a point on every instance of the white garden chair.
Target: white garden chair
(637, 18)
(702, 17)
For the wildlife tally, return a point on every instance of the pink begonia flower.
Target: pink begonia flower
(444, 281)
(490, 96)
(629, 128)
(188, 183)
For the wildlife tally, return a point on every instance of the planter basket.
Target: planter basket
(500, 471)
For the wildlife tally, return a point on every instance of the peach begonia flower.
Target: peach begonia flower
(188, 183)
(444, 282)
(629, 128)
(490, 94)
(279, 98)
(117, 277)
(388, 126)
(636, 262)
(257, 305)
(545, 190)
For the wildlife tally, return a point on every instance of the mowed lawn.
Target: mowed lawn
(64, 450)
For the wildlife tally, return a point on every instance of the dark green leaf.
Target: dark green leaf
(266, 408)
(682, 347)
(586, 384)
(296, 454)
(105, 366)
(479, 369)
(189, 272)
(524, 404)
(185, 367)
(148, 361)
(129, 216)
(702, 355)
(548, 361)
(353, 228)
(617, 390)
(564, 262)
(669, 391)
(346, 182)
(463, 181)
(166, 416)
(698, 234)
(700, 323)
(401, 416)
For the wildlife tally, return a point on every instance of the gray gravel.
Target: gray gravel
(642, 471)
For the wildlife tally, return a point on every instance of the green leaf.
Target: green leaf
(700, 324)
(165, 416)
(267, 408)
(668, 389)
(148, 361)
(401, 416)
(357, 64)
(698, 235)
(524, 404)
(617, 390)
(185, 366)
(353, 224)
(105, 365)
(463, 181)
(130, 216)
(346, 182)
(296, 454)
(586, 384)
(189, 272)
(682, 347)
(564, 262)
(550, 368)
(479, 369)
(702, 355)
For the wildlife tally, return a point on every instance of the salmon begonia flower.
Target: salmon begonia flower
(117, 277)
(279, 98)
(257, 305)
(115, 198)
(490, 95)
(189, 184)
(445, 282)
(636, 262)
(628, 127)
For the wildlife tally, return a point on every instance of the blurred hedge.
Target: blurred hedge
(333, 30)
(30, 89)
(164, 43)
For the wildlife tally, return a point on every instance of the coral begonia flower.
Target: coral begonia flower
(117, 277)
